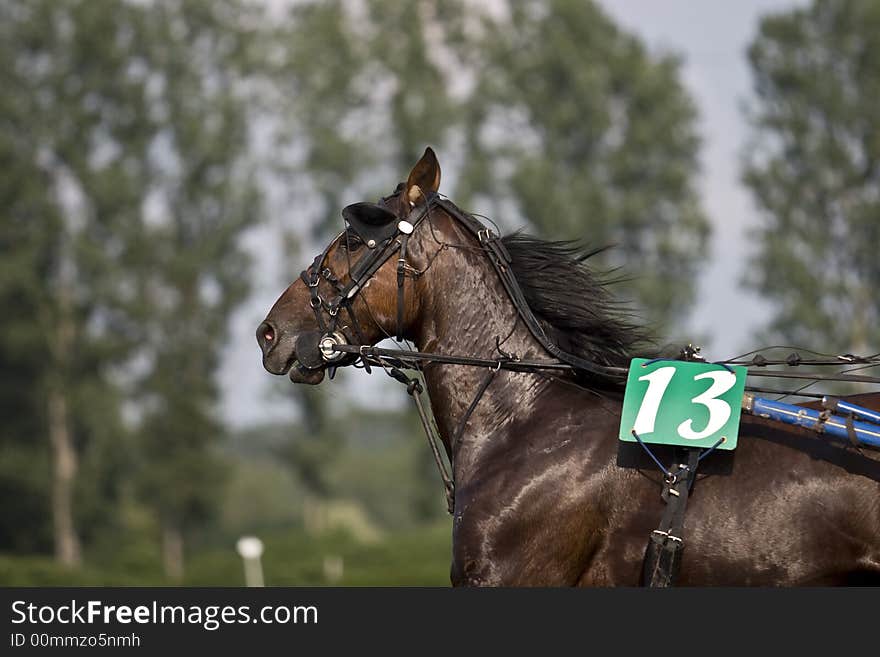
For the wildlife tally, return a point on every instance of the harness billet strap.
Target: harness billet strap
(662, 560)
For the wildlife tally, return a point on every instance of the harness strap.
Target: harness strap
(500, 259)
(414, 388)
(662, 562)
(356, 326)
(315, 300)
(487, 381)
(401, 280)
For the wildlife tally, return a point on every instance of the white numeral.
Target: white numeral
(719, 410)
(658, 381)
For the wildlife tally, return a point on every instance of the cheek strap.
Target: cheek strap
(401, 287)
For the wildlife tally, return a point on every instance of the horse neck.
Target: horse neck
(464, 309)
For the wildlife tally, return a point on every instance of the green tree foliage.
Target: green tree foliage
(591, 138)
(547, 112)
(205, 197)
(814, 170)
(67, 198)
(366, 95)
(126, 189)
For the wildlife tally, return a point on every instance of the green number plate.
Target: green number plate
(674, 402)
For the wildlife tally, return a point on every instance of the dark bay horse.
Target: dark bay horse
(539, 499)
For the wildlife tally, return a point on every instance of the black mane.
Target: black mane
(573, 303)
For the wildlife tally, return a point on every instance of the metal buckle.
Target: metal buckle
(667, 535)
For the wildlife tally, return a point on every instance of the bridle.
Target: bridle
(323, 352)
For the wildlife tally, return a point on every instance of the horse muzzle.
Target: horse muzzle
(280, 354)
(303, 356)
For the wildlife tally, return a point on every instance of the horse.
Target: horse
(539, 499)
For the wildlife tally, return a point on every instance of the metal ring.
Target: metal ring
(316, 301)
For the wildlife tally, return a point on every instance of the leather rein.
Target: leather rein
(332, 347)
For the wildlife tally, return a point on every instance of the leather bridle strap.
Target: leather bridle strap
(401, 285)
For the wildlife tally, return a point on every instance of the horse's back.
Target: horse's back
(797, 508)
(787, 507)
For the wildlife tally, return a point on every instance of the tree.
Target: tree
(376, 98)
(205, 58)
(580, 131)
(68, 190)
(814, 169)
(551, 115)
(128, 186)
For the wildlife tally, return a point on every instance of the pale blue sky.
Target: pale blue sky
(711, 36)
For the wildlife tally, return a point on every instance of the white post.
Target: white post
(333, 568)
(251, 549)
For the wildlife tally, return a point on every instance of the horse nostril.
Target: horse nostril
(265, 335)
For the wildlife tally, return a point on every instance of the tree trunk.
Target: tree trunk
(172, 551)
(64, 465)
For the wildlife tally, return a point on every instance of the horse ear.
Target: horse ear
(424, 178)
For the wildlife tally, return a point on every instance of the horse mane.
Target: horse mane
(573, 303)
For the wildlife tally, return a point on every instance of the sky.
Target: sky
(711, 37)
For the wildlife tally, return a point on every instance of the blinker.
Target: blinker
(371, 222)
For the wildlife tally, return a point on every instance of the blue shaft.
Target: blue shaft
(841, 406)
(834, 426)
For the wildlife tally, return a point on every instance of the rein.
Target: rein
(331, 347)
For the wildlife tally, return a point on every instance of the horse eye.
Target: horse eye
(352, 242)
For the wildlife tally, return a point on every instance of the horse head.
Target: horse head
(364, 286)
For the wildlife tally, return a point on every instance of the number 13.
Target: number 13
(719, 410)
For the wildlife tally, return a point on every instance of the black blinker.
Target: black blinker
(371, 222)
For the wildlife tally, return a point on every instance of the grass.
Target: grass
(291, 558)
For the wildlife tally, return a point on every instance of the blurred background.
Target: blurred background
(169, 166)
